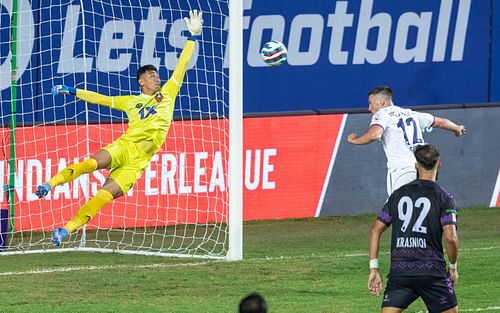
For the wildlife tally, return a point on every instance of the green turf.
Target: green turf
(313, 265)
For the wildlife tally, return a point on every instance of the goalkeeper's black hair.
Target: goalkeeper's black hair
(381, 90)
(145, 68)
(427, 156)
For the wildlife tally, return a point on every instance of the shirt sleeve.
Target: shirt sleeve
(93, 97)
(120, 103)
(425, 119)
(379, 119)
(448, 210)
(173, 85)
(385, 214)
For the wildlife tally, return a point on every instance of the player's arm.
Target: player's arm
(373, 133)
(194, 24)
(85, 95)
(451, 243)
(374, 279)
(445, 123)
(449, 225)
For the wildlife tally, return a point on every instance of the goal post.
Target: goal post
(235, 130)
(188, 202)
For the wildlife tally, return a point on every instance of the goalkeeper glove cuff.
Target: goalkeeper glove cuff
(63, 89)
(193, 37)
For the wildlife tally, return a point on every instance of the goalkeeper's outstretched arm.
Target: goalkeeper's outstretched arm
(194, 23)
(85, 95)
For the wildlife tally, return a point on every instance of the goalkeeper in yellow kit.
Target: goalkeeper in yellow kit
(149, 118)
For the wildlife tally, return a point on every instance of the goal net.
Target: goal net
(180, 205)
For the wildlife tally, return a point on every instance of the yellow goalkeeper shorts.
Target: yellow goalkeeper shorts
(127, 163)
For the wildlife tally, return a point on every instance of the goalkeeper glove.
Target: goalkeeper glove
(63, 90)
(194, 23)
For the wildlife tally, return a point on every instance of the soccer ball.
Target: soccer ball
(273, 53)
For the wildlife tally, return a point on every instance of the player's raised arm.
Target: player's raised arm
(373, 133)
(85, 95)
(194, 23)
(447, 124)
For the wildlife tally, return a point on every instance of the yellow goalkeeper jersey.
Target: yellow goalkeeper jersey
(149, 117)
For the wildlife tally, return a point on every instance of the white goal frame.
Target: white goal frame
(235, 160)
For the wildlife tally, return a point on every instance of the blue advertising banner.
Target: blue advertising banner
(429, 52)
(99, 45)
(495, 53)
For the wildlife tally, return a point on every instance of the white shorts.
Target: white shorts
(397, 177)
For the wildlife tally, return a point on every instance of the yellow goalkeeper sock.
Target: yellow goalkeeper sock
(89, 209)
(73, 171)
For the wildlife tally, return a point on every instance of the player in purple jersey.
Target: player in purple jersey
(421, 214)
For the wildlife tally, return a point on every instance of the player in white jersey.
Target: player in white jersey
(400, 131)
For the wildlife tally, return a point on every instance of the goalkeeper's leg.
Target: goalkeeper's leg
(89, 210)
(102, 159)
(73, 171)
(66, 175)
(83, 216)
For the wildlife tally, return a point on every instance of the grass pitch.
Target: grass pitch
(311, 265)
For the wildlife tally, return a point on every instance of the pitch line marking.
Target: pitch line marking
(490, 308)
(100, 267)
(164, 265)
(354, 255)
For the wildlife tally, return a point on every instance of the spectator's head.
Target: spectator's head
(253, 303)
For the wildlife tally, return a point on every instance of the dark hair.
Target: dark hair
(381, 90)
(427, 156)
(253, 303)
(145, 68)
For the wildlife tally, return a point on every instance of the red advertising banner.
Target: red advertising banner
(295, 155)
(285, 165)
